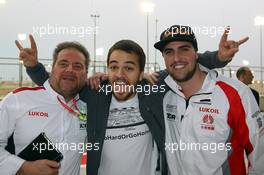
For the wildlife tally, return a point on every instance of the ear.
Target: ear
(141, 75)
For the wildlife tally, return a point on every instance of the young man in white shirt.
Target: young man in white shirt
(210, 120)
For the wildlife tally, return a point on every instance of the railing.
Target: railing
(13, 73)
(12, 70)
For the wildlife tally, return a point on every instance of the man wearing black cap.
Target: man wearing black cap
(227, 49)
(209, 120)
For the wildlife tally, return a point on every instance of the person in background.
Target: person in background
(244, 74)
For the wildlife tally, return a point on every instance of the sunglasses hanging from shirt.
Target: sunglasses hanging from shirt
(80, 110)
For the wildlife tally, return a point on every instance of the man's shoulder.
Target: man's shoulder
(230, 83)
(29, 93)
(23, 95)
(28, 89)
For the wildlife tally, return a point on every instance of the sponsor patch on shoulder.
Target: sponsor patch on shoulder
(171, 108)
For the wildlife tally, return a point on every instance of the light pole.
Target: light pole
(147, 7)
(156, 40)
(259, 21)
(99, 56)
(94, 16)
(21, 37)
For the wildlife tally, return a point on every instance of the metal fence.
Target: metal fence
(13, 74)
(12, 70)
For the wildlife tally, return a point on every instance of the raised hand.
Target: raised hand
(95, 80)
(228, 48)
(29, 56)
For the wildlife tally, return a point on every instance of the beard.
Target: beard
(187, 77)
(67, 90)
(71, 92)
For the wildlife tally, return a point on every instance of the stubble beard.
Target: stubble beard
(188, 75)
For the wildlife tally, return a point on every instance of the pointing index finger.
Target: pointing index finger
(243, 40)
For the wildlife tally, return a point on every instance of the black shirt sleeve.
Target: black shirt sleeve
(38, 74)
(210, 60)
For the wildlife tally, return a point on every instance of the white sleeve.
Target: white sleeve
(9, 164)
(255, 123)
(257, 156)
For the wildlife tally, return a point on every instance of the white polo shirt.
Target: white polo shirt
(27, 112)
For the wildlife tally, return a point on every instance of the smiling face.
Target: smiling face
(180, 59)
(124, 71)
(68, 73)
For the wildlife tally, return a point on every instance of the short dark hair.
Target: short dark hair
(241, 71)
(129, 46)
(75, 45)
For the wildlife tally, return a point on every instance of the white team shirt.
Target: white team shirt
(207, 134)
(27, 113)
(128, 146)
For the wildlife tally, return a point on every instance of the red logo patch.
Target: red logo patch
(37, 114)
(209, 110)
(208, 121)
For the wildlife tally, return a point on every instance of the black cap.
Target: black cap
(176, 33)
